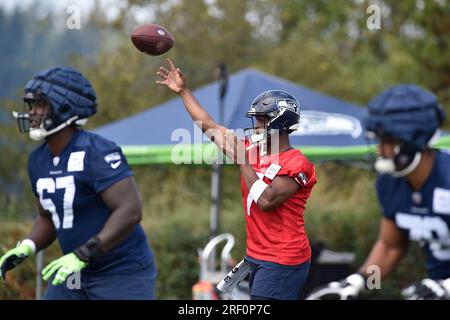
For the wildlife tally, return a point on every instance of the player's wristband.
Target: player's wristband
(90, 250)
(257, 189)
(30, 244)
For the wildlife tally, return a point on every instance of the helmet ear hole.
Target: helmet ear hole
(64, 108)
(404, 154)
(48, 123)
(440, 114)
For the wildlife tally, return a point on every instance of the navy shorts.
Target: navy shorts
(137, 285)
(273, 281)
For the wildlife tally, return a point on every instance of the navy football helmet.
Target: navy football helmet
(282, 111)
(410, 115)
(68, 93)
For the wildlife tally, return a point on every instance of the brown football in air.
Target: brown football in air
(152, 39)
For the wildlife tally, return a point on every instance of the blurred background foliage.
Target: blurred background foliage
(324, 45)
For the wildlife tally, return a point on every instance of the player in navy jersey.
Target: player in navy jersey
(413, 188)
(86, 196)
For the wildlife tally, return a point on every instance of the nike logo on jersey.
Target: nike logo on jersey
(115, 165)
(113, 159)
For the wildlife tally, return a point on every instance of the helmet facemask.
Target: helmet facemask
(260, 135)
(39, 124)
(281, 112)
(404, 160)
(36, 114)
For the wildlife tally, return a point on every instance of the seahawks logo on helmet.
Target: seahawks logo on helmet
(287, 104)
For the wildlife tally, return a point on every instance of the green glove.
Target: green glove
(14, 257)
(65, 266)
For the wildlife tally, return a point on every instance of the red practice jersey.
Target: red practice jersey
(279, 236)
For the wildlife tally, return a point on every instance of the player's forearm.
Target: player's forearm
(43, 233)
(265, 200)
(268, 199)
(249, 175)
(385, 257)
(197, 112)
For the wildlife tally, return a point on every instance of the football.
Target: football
(152, 39)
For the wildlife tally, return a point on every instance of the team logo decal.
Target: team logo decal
(290, 105)
(113, 159)
(302, 178)
(324, 123)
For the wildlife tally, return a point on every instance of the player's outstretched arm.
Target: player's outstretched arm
(173, 78)
(41, 236)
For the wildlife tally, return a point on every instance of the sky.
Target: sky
(110, 7)
(51, 5)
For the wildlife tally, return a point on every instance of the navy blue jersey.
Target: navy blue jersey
(424, 215)
(69, 188)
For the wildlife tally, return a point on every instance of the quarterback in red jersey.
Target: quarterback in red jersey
(279, 236)
(276, 182)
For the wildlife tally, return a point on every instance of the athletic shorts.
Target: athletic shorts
(138, 285)
(274, 281)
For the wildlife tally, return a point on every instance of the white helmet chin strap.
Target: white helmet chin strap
(386, 165)
(434, 138)
(40, 133)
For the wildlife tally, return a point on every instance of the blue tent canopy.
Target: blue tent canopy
(330, 128)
